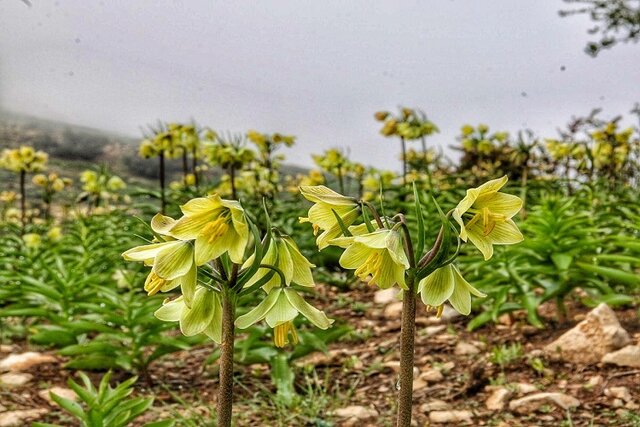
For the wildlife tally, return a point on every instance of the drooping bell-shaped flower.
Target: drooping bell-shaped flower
(217, 225)
(447, 284)
(484, 216)
(379, 255)
(204, 315)
(279, 308)
(172, 261)
(321, 214)
(284, 254)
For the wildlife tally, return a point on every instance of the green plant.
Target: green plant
(105, 406)
(506, 354)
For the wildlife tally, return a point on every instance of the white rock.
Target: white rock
(447, 366)
(393, 311)
(432, 376)
(4, 348)
(435, 329)
(498, 399)
(15, 379)
(23, 361)
(594, 381)
(598, 334)
(533, 402)
(524, 388)
(385, 296)
(359, 412)
(419, 384)
(448, 314)
(466, 348)
(20, 418)
(67, 393)
(626, 356)
(434, 405)
(447, 417)
(618, 393)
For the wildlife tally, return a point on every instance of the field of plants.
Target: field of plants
(499, 289)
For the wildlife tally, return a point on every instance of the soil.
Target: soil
(362, 370)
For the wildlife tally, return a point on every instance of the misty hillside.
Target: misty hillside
(74, 148)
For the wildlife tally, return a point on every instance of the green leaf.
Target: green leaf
(92, 362)
(69, 406)
(562, 260)
(282, 376)
(624, 277)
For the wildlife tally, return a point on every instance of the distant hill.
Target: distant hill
(73, 148)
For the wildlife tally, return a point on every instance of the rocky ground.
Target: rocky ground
(585, 373)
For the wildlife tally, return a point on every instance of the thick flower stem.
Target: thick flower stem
(407, 340)
(225, 393)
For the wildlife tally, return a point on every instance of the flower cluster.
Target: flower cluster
(191, 252)
(23, 159)
(381, 252)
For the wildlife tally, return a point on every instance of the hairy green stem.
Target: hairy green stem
(407, 340)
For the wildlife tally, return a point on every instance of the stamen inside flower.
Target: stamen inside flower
(371, 266)
(154, 283)
(216, 228)
(281, 334)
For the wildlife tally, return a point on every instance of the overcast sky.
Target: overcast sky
(316, 69)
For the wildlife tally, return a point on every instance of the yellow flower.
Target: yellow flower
(39, 179)
(54, 234)
(8, 196)
(279, 308)
(32, 240)
(488, 213)
(446, 283)
(466, 130)
(204, 315)
(172, 261)
(217, 225)
(284, 254)
(379, 255)
(321, 214)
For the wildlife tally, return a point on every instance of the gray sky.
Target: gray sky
(316, 69)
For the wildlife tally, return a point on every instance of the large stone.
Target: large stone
(466, 348)
(432, 376)
(434, 405)
(64, 392)
(23, 361)
(598, 334)
(621, 393)
(533, 402)
(498, 399)
(626, 356)
(451, 417)
(524, 388)
(359, 412)
(15, 379)
(20, 418)
(448, 314)
(393, 311)
(385, 296)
